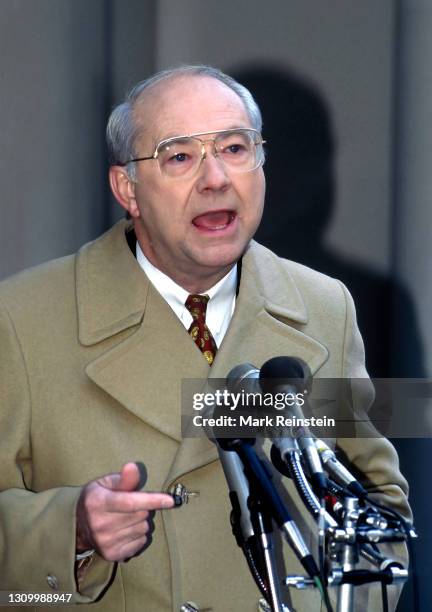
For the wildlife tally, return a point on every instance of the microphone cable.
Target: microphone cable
(406, 528)
(321, 555)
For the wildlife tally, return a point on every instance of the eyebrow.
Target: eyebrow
(177, 135)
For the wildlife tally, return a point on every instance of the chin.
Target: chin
(223, 257)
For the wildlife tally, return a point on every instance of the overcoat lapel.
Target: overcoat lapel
(144, 372)
(144, 349)
(270, 318)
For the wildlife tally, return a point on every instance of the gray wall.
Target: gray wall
(413, 171)
(61, 64)
(52, 90)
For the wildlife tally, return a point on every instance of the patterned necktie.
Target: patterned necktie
(200, 333)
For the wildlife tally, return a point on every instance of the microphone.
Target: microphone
(338, 471)
(245, 377)
(238, 492)
(288, 375)
(238, 484)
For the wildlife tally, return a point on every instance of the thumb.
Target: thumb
(129, 477)
(126, 480)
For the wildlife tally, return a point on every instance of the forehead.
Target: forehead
(187, 105)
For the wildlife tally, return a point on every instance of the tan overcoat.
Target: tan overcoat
(91, 364)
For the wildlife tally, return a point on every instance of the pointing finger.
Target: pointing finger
(136, 501)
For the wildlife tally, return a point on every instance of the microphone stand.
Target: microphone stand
(251, 527)
(262, 529)
(349, 556)
(263, 490)
(346, 543)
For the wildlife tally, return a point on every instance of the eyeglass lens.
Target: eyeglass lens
(239, 151)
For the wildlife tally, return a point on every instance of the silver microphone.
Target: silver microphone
(338, 471)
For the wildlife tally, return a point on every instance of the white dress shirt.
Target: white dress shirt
(220, 306)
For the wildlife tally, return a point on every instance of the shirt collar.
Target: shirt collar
(222, 294)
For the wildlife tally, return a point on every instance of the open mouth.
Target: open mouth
(214, 221)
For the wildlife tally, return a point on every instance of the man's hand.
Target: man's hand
(112, 517)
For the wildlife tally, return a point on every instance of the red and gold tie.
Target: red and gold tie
(200, 333)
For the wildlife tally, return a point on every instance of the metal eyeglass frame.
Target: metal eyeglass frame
(203, 142)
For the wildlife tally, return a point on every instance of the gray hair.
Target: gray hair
(122, 130)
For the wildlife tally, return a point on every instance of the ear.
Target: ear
(123, 189)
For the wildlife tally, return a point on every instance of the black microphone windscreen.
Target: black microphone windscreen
(283, 370)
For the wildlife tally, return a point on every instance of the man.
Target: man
(95, 346)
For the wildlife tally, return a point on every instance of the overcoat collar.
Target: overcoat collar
(145, 352)
(111, 287)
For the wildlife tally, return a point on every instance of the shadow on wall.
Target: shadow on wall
(299, 204)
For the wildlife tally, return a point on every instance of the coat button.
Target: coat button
(180, 494)
(190, 606)
(53, 582)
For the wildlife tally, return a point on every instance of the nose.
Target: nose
(212, 174)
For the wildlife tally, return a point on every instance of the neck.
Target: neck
(195, 284)
(198, 283)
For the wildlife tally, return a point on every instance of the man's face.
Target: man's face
(193, 229)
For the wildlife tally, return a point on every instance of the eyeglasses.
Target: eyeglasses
(239, 150)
